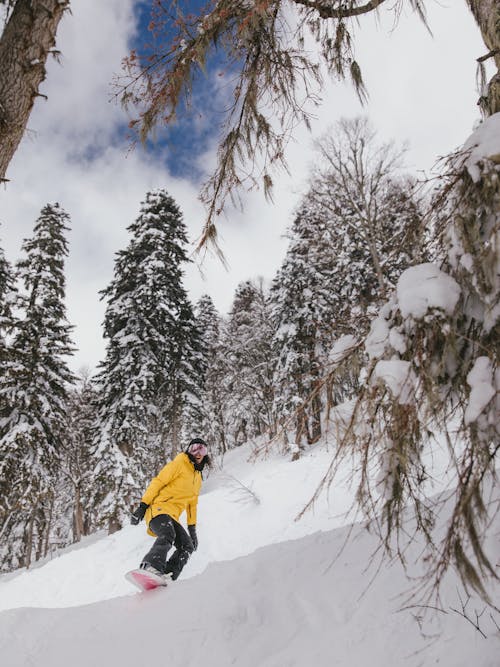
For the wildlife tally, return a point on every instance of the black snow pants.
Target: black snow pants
(169, 533)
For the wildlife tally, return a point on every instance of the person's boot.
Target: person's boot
(151, 568)
(176, 562)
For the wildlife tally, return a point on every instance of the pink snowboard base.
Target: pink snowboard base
(146, 581)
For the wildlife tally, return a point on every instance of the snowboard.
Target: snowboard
(145, 580)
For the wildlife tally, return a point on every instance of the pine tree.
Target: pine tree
(34, 388)
(148, 376)
(182, 394)
(212, 418)
(303, 311)
(249, 363)
(373, 231)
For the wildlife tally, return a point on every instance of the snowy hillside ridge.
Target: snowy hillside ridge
(311, 601)
(247, 504)
(242, 507)
(262, 589)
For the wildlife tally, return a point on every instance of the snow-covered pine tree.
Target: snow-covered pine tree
(249, 363)
(146, 379)
(211, 417)
(303, 311)
(183, 387)
(34, 389)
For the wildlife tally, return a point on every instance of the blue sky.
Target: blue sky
(196, 127)
(422, 90)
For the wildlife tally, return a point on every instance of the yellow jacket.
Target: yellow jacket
(173, 490)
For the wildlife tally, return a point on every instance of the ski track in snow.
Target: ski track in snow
(262, 590)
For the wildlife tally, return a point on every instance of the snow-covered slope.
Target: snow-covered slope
(245, 506)
(310, 600)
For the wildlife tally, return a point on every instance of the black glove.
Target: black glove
(192, 534)
(139, 513)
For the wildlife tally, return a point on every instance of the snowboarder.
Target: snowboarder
(173, 490)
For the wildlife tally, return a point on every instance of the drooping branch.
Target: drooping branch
(342, 10)
(274, 82)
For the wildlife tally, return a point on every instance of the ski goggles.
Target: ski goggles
(197, 449)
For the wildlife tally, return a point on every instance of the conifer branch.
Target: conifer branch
(275, 82)
(343, 10)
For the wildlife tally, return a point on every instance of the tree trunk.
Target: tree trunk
(28, 541)
(487, 15)
(114, 525)
(221, 429)
(25, 44)
(315, 430)
(46, 518)
(301, 426)
(78, 515)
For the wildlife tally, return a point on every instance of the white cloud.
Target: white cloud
(421, 89)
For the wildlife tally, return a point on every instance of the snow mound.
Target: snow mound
(423, 287)
(244, 506)
(262, 590)
(298, 603)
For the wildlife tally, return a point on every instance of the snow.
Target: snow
(480, 380)
(378, 338)
(399, 377)
(341, 348)
(425, 286)
(483, 144)
(262, 590)
(397, 340)
(234, 525)
(467, 262)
